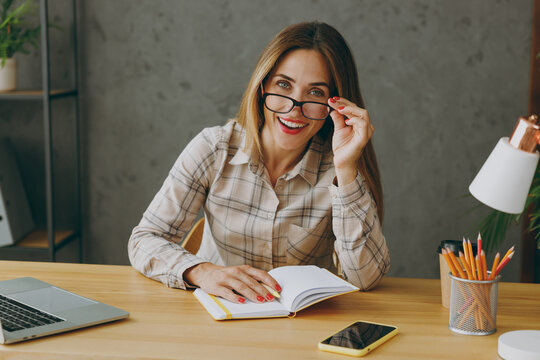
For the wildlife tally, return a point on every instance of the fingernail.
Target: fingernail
(332, 100)
(242, 300)
(336, 97)
(269, 297)
(278, 288)
(260, 298)
(341, 107)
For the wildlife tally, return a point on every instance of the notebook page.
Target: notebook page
(296, 280)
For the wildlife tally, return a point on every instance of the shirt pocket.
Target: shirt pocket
(311, 246)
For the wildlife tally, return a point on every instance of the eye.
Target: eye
(316, 92)
(283, 84)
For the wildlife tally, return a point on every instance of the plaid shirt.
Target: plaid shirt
(300, 220)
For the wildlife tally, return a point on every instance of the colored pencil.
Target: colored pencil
(472, 260)
(479, 268)
(503, 264)
(449, 262)
(494, 266)
(465, 265)
(508, 253)
(271, 291)
(484, 264)
(466, 250)
(456, 263)
(479, 245)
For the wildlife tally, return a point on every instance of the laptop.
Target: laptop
(31, 308)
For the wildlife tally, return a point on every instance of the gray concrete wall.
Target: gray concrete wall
(442, 80)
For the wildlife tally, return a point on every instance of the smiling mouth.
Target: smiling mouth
(291, 124)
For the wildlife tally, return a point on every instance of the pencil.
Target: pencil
(479, 268)
(456, 264)
(449, 262)
(503, 263)
(479, 245)
(508, 253)
(471, 259)
(494, 266)
(484, 264)
(272, 291)
(466, 251)
(465, 265)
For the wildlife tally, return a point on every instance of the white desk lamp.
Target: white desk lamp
(504, 180)
(503, 184)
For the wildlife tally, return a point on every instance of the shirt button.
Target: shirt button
(334, 196)
(270, 216)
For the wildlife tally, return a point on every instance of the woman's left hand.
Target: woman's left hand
(352, 131)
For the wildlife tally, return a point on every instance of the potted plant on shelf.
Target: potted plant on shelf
(15, 33)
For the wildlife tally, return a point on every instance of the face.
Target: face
(302, 75)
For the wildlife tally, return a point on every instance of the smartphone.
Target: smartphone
(358, 338)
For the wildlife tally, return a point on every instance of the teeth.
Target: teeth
(291, 124)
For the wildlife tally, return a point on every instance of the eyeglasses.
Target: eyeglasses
(282, 104)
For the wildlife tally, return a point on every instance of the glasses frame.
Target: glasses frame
(295, 103)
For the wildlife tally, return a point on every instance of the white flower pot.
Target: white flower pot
(8, 75)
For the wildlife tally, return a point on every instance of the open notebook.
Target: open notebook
(302, 286)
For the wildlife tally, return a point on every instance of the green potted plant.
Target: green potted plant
(15, 32)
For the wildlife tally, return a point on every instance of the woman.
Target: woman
(292, 179)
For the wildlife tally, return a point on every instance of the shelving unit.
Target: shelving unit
(43, 244)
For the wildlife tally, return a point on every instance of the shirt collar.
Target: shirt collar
(241, 157)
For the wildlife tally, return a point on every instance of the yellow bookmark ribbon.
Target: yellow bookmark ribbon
(228, 315)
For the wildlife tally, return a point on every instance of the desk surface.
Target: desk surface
(170, 324)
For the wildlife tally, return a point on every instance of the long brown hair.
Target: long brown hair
(333, 47)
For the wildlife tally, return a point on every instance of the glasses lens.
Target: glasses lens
(278, 103)
(315, 111)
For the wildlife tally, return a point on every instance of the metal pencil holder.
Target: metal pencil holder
(473, 306)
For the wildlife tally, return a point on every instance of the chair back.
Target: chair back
(192, 241)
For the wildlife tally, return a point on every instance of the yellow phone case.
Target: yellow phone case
(358, 352)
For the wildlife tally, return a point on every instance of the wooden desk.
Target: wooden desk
(171, 324)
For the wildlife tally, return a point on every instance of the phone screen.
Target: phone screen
(359, 335)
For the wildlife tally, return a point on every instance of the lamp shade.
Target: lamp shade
(504, 180)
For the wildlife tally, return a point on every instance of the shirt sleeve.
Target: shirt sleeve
(153, 247)
(360, 245)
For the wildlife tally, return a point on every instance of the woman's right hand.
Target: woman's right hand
(224, 281)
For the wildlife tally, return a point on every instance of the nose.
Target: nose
(297, 108)
(296, 111)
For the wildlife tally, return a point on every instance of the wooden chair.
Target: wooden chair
(193, 239)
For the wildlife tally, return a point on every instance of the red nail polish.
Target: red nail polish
(332, 100)
(269, 297)
(341, 107)
(336, 97)
(260, 298)
(278, 288)
(242, 300)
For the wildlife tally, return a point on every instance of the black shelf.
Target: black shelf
(43, 244)
(35, 94)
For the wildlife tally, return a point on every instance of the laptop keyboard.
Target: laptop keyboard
(18, 316)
